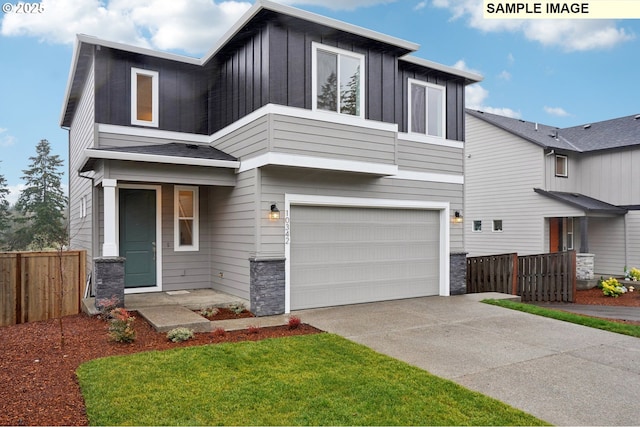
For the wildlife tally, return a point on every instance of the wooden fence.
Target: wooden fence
(536, 278)
(40, 285)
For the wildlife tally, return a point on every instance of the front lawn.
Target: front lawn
(320, 379)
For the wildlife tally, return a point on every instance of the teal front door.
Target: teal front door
(138, 236)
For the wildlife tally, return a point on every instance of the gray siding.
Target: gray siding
(606, 241)
(276, 181)
(501, 171)
(248, 141)
(168, 173)
(331, 140)
(185, 269)
(633, 239)
(233, 234)
(423, 157)
(81, 136)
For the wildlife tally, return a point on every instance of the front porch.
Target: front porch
(168, 310)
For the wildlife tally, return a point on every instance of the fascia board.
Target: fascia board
(154, 158)
(474, 77)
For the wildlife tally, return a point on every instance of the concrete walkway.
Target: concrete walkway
(563, 373)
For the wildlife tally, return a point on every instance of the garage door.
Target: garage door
(348, 255)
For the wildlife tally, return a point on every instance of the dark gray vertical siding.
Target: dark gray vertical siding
(182, 93)
(454, 100)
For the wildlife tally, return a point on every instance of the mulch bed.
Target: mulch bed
(38, 362)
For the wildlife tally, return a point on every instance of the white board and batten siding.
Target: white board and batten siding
(501, 171)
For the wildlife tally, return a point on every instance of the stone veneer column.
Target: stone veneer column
(109, 279)
(458, 273)
(267, 286)
(585, 266)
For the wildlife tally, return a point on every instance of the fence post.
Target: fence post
(514, 274)
(18, 285)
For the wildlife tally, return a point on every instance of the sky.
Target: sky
(556, 72)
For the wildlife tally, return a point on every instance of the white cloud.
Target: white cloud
(475, 96)
(511, 59)
(556, 111)
(462, 65)
(14, 193)
(337, 4)
(504, 75)
(420, 5)
(569, 35)
(190, 25)
(6, 140)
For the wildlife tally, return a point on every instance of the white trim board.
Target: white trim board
(313, 200)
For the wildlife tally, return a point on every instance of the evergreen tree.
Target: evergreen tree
(42, 202)
(5, 215)
(327, 98)
(350, 96)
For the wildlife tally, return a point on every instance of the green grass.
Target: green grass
(592, 322)
(320, 379)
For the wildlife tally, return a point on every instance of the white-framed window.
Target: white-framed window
(477, 226)
(562, 166)
(144, 97)
(568, 225)
(186, 218)
(338, 80)
(427, 110)
(83, 206)
(497, 225)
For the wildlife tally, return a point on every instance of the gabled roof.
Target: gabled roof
(608, 134)
(588, 204)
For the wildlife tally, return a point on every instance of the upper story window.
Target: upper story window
(562, 166)
(338, 80)
(427, 108)
(144, 97)
(186, 218)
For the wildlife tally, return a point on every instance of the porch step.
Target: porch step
(167, 317)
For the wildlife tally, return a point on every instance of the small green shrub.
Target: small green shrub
(237, 307)
(633, 274)
(209, 312)
(180, 334)
(121, 326)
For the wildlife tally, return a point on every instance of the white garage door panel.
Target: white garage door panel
(345, 255)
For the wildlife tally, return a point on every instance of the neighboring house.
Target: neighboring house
(303, 162)
(531, 188)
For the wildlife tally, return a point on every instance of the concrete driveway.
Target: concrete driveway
(562, 373)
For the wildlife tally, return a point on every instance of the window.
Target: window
(144, 97)
(477, 226)
(561, 166)
(569, 236)
(426, 108)
(83, 207)
(497, 225)
(338, 80)
(186, 227)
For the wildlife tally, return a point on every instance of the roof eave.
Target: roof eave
(469, 76)
(91, 153)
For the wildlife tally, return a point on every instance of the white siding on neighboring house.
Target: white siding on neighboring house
(603, 172)
(633, 239)
(501, 171)
(606, 240)
(81, 203)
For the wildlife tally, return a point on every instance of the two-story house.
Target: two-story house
(303, 162)
(531, 188)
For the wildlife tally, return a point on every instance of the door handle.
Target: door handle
(153, 249)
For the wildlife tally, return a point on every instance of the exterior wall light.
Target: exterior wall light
(274, 213)
(457, 217)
